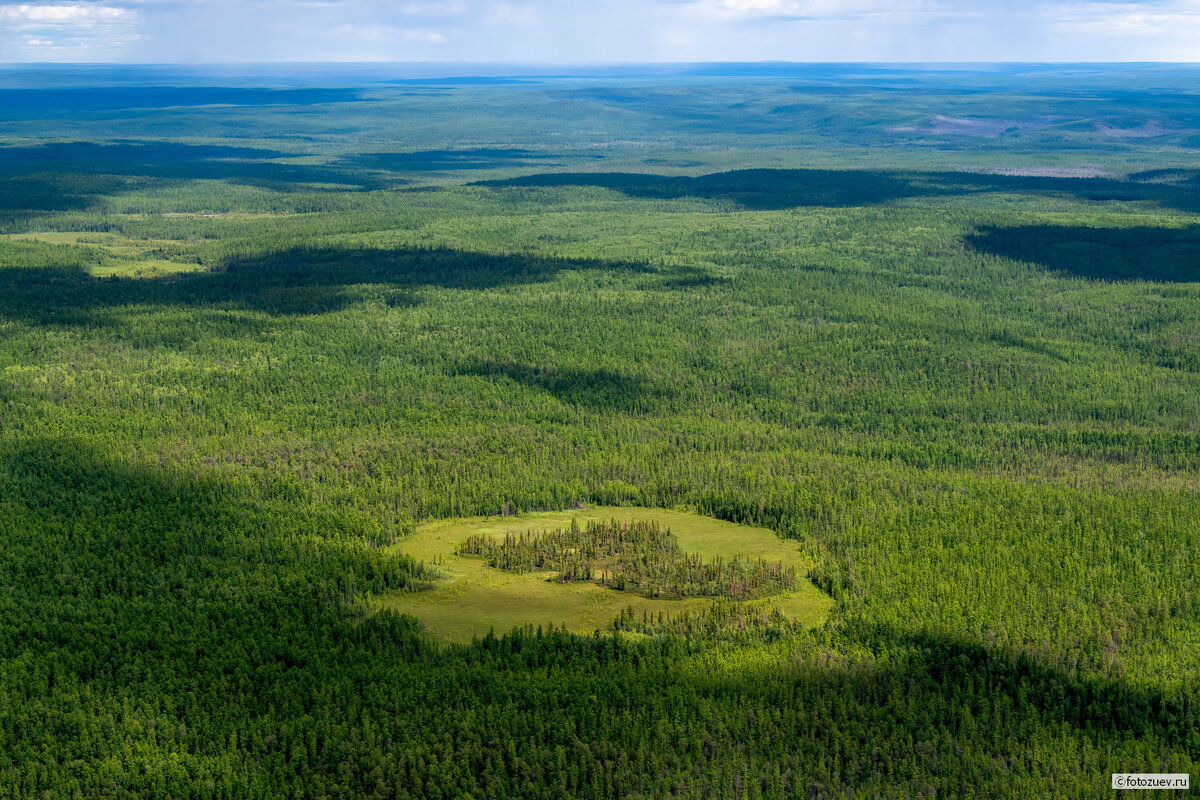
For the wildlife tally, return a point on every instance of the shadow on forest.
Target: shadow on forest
(693, 278)
(289, 282)
(757, 189)
(1109, 254)
(597, 389)
(941, 673)
(61, 176)
(922, 686)
(56, 154)
(124, 533)
(111, 98)
(437, 160)
(27, 196)
(71, 175)
(775, 189)
(58, 164)
(202, 591)
(65, 176)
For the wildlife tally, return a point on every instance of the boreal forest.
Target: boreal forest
(779, 432)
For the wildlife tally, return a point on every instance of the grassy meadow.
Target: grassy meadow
(471, 599)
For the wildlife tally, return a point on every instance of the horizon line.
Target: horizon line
(589, 64)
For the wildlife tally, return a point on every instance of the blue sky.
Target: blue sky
(599, 31)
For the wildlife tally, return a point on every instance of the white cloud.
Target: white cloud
(1168, 30)
(512, 15)
(836, 10)
(421, 36)
(811, 9)
(755, 6)
(440, 8)
(1122, 17)
(567, 31)
(375, 36)
(67, 32)
(64, 15)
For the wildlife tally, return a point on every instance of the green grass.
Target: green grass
(113, 254)
(473, 598)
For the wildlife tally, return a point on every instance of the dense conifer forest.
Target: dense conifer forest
(252, 335)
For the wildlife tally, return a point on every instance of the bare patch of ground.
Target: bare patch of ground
(940, 125)
(1077, 171)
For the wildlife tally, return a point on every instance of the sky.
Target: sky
(598, 31)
